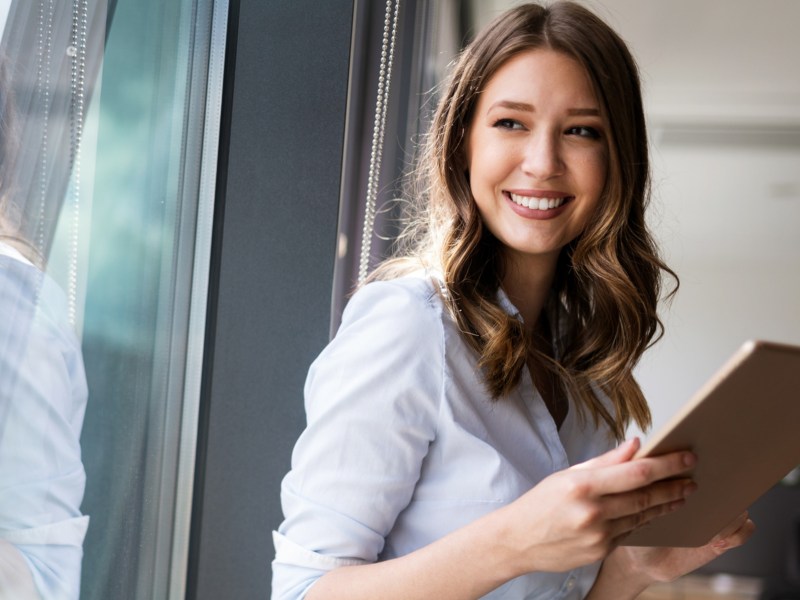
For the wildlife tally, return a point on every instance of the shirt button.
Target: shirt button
(570, 583)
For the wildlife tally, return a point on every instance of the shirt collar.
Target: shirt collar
(502, 298)
(11, 252)
(506, 304)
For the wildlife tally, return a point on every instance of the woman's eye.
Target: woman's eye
(587, 132)
(508, 124)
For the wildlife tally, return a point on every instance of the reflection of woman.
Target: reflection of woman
(460, 424)
(42, 401)
(43, 396)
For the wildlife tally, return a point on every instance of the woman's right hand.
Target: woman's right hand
(577, 516)
(572, 518)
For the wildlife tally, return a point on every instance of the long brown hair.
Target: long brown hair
(11, 216)
(603, 307)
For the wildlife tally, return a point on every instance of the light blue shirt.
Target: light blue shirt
(404, 445)
(43, 397)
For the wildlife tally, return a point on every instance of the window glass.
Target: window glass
(104, 236)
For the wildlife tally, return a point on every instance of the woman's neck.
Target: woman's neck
(528, 282)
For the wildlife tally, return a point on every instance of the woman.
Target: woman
(460, 424)
(43, 396)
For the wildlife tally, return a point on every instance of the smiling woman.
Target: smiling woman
(461, 423)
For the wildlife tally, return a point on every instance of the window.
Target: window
(111, 111)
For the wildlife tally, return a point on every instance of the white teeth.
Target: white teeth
(537, 203)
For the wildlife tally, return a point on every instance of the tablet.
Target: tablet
(744, 426)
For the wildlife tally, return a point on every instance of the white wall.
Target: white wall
(722, 88)
(728, 218)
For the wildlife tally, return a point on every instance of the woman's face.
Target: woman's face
(537, 155)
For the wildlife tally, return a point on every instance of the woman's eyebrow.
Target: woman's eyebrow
(526, 107)
(584, 112)
(511, 104)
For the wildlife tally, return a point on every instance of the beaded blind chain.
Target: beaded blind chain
(44, 54)
(381, 105)
(77, 53)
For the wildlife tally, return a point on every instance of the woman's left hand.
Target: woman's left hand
(629, 570)
(667, 564)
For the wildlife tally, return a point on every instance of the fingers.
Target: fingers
(636, 474)
(644, 499)
(624, 493)
(619, 528)
(733, 525)
(617, 472)
(631, 510)
(621, 454)
(734, 534)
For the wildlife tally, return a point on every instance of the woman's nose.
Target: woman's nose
(542, 158)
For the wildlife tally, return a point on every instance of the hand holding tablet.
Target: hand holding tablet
(744, 427)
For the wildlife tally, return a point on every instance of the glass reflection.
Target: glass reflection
(43, 390)
(43, 398)
(102, 117)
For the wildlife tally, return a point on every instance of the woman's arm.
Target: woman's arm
(571, 518)
(468, 563)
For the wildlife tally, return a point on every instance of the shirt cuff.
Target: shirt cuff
(288, 552)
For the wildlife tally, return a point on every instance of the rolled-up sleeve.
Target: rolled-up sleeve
(372, 406)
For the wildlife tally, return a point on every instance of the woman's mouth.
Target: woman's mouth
(536, 203)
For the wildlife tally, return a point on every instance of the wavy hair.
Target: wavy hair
(10, 213)
(603, 306)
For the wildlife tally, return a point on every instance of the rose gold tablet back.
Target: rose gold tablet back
(744, 426)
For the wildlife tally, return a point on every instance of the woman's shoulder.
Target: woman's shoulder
(390, 326)
(391, 338)
(27, 291)
(413, 301)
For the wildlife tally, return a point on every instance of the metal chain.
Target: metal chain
(77, 52)
(381, 107)
(44, 47)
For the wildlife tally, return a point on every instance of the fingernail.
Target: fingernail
(629, 442)
(689, 459)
